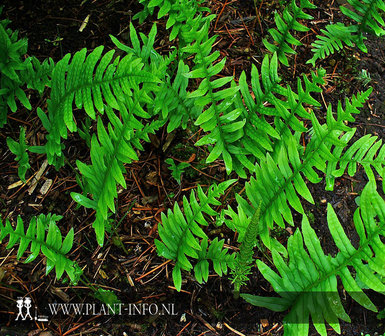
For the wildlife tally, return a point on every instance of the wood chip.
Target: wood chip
(37, 177)
(45, 187)
(15, 185)
(84, 23)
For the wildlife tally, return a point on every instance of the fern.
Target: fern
(180, 235)
(114, 147)
(20, 150)
(366, 151)
(279, 178)
(180, 13)
(368, 17)
(11, 51)
(143, 48)
(271, 99)
(86, 84)
(332, 40)
(266, 128)
(109, 152)
(285, 23)
(244, 259)
(50, 244)
(37, 75)
(172, 100)
(215, 253)
(219, 117)
(367, 13)
(176, 170)
(15, 73)
(307, 282)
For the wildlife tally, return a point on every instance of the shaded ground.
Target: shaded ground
(135, 272)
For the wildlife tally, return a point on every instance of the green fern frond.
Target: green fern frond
(307, 282)
(170, 96)
(143, 48)
(37, 75)
(286, 23)
(50, 244)
(11, 51)
(296, 103)
(368, 15)
(110, 150)
(11, 65)
(176, 169)
(332, 40)
(88, 81)
(280, 178)
(20, 150)
(366, 152)
(244, 259)
(16, 72)
(115, 146)
(270, 99)
(172, 102)
(180, 233)
(219, 117)
(257, 130)
(179, 12)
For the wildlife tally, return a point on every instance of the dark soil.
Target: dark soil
(52, 29)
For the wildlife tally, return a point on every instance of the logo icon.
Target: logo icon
(22, 303)
(26, 304)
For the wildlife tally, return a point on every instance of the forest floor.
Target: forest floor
(129, 265)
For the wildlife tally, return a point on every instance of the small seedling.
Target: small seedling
(177, 170)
